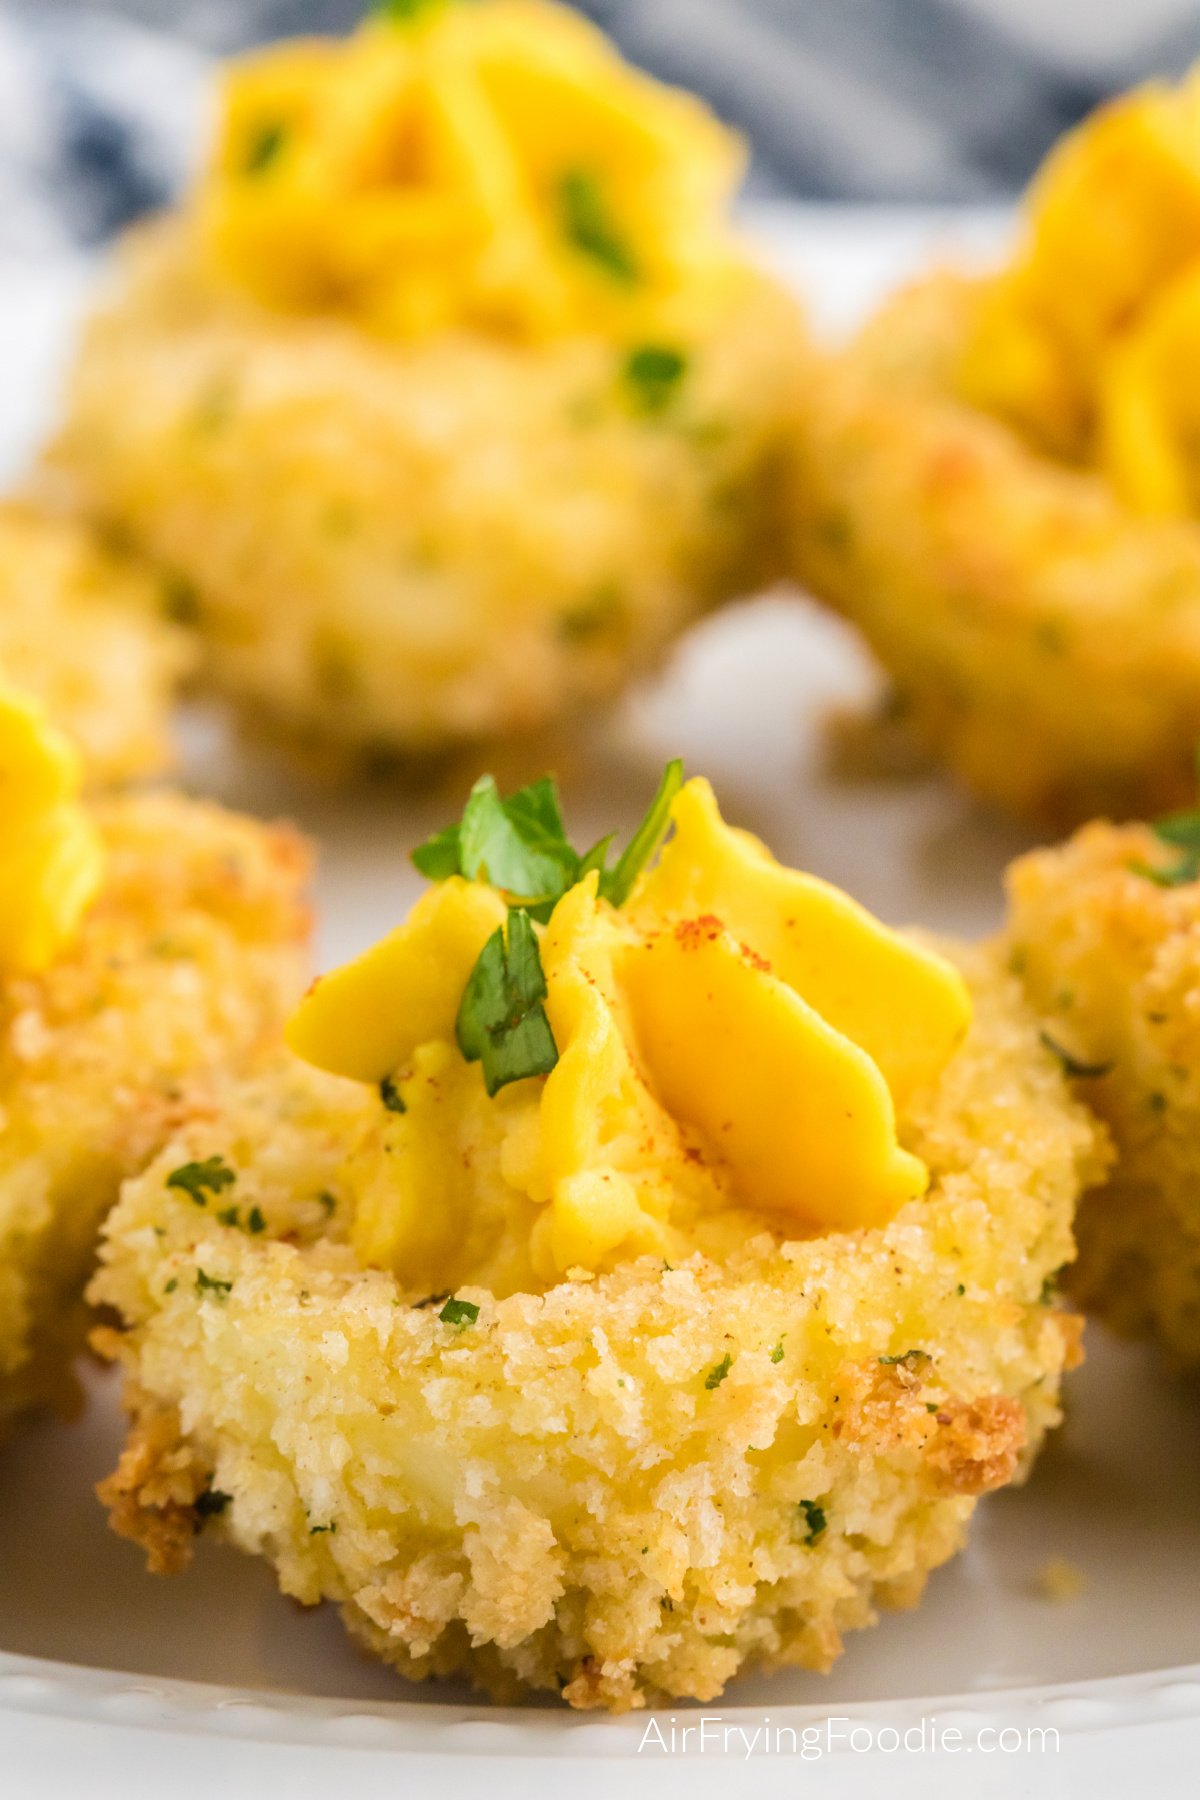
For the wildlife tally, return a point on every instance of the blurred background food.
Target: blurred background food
(910, 100)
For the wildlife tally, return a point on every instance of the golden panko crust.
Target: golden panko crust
(1114, 961)
(1043, 641)
(402, 548)
(187, 961)
(82, 628)
(624, 1487)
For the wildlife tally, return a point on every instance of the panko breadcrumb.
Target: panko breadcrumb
(1113, 959)
(187, 961)
(398, 547)
(623, 1486)
(1061, 1580)
(83, 629)
(1043, 641)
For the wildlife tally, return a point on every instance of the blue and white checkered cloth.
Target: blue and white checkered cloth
(99, 122)
(912, 100)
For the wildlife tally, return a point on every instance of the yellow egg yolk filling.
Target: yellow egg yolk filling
(493, 165)
(50, 854)
(1089, 342)
(732, 1045)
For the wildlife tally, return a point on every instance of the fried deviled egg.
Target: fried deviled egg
(451, 392)
(1105, 932)
(998, 482)
(635, 1271)
(83, 629)
(143, 942)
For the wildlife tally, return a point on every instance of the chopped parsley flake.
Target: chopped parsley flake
(777, 1352)
(199, 1179)
(460, 1313)
(814, 1519)
(909, 1359)
(316, 1530)
(653, 374)
(716, 1375)
(265, 147)
(209, 1284)
(255, 1222)
(171, 1285)
(391, 1096)
(589, 226)
(328, 1202)
(210, 1504)
(179, 599)
(502, 1022)
(228, 1216)
(1072, 1065)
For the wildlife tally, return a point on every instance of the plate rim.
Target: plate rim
(31, 1685)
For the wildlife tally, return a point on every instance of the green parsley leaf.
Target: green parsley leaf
(391, 1096)
(265, 147)
(327, 1202)
(652, 374)
(777, 1352)
(1181, 830)
(1170, 875)
(228, 1216)
(814, 1518)
(199, 1179)
(518, 845)
(402, 12)
(617, 886)
(717, 1374)
(589, 226)
(208, 1284)
(501, 1021)
(460, 1313)
(256, 1223)
(596, 857)
(440, 856)
(909, 1359)
(1072, 1066)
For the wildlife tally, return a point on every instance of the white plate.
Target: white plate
(99, 1664)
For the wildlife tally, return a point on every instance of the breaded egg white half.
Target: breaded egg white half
(83, 629)
(1114, 961)
(186, 962)
(625, 1486)
(400, 547)
(1043, 640)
